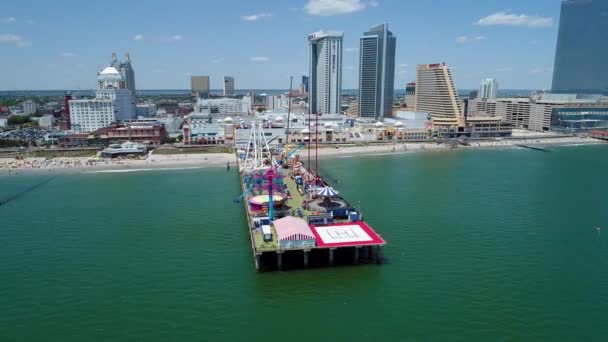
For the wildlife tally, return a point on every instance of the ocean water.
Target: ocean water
(483, 245)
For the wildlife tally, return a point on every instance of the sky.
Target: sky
(62, 44)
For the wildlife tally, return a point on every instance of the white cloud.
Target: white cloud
(351, 49)
(462, 39)
(8, 20)
(177, 37)
(68, 54)
(8, 38)
(509, 19)
(259, 59)
(374, 3)
(255, 17)
(480, 38)
(333, 7)
(138, 37)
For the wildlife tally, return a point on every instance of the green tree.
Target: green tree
(18, 120)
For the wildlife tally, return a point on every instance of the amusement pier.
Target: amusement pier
(296, 219)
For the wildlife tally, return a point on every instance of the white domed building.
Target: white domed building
(114, 99)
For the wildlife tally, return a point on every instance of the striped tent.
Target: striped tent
(293, 232)
(327, 191)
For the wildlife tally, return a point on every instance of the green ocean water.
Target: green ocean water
(483, 245)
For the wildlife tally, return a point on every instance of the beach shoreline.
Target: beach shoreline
(221, 160)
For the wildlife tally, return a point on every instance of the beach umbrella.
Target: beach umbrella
(327, 192)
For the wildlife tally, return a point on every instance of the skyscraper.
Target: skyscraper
(377, 72)
(126, 70)
(488, 88)
(436, 93)
(200, 86)
(228, 85)
(581, 56)
(325, 72)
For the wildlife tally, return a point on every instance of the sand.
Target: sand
(190, 161)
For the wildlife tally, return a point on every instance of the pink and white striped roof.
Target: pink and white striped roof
(292, 228)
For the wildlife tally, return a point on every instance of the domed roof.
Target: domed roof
(226, 119)
(398, 123)
(279, 118)
(378, 124)
(328, 124)
(109, 71)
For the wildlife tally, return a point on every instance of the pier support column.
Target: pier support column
(305, 259)
(331, 256)
(257, 262)
(279, 260)
(380, 255)
(373, 251)
(356, 255)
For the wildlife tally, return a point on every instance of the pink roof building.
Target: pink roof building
(293, 232)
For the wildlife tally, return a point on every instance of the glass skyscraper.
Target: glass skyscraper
(325, 72)
(581, 57)
(377, 72)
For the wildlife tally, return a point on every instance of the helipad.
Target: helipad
(346, 234)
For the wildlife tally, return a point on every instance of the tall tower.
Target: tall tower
(228, 85)
(200, 86)
(377, 72)
(488, 89)
(325, 74)
(582, 48)
(436, 93)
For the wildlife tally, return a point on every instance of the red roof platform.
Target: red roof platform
(349, 234)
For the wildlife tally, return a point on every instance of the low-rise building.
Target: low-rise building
(580, 118)
(226, 106)
(149, 133)
(545, 112)
(204, 134)
(46, 121)
(169, 106)
(146, 109)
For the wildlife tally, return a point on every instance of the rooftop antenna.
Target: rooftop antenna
(113, 56)
(128, 57)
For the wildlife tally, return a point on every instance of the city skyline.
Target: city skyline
(59, 52)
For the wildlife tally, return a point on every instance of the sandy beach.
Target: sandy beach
(189, 161)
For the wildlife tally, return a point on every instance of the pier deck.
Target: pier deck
(335, 239)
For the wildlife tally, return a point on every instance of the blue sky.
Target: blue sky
(62, 44)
